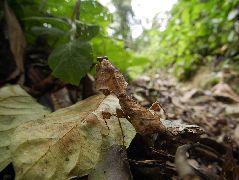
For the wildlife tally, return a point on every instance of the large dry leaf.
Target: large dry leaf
(16, 39)
(110, 80)
(16, 108)
(69, 142)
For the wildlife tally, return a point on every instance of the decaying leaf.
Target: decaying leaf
(16, 39)
(178, 127)
(202, 159)
(69, 142)
(191, 94)
(16, 108)
(114, 165)
(224, 91)
(110, 80)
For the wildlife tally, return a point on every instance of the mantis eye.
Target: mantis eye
(101, 58)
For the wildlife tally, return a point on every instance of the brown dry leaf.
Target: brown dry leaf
(60, 98)
(178, 127)
(191, 94)
(110, 80)
(16, 39)
(236, 134)
(69, 142)
(225, 92)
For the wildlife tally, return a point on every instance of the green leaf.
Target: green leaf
(58, 30)
(54, 32)
(16, 108)
(139, 61)
(71, 61)
(113, 49)
(93, 12)
(86, 31)
(55, 21)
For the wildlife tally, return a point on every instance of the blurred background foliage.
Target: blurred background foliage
(198, 32)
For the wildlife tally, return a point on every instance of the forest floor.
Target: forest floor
(214, 109)
(206, 122)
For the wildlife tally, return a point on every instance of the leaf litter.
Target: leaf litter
(214, 110)
(84, 138)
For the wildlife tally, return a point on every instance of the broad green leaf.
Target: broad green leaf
(47, 31)
(58, 14)
(69, 142)
(60, 8)
(57, 30)
(16, 108)
(93, 12)
(54, 21)
(86, 31)
(71, 61)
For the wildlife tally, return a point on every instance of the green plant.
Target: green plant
(196, 30)
(76, 30)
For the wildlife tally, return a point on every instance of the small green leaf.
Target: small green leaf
(71, 61)
(87, 31)
(93, 12)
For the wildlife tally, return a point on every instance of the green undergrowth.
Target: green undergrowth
(199, 32)
(76, 34)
